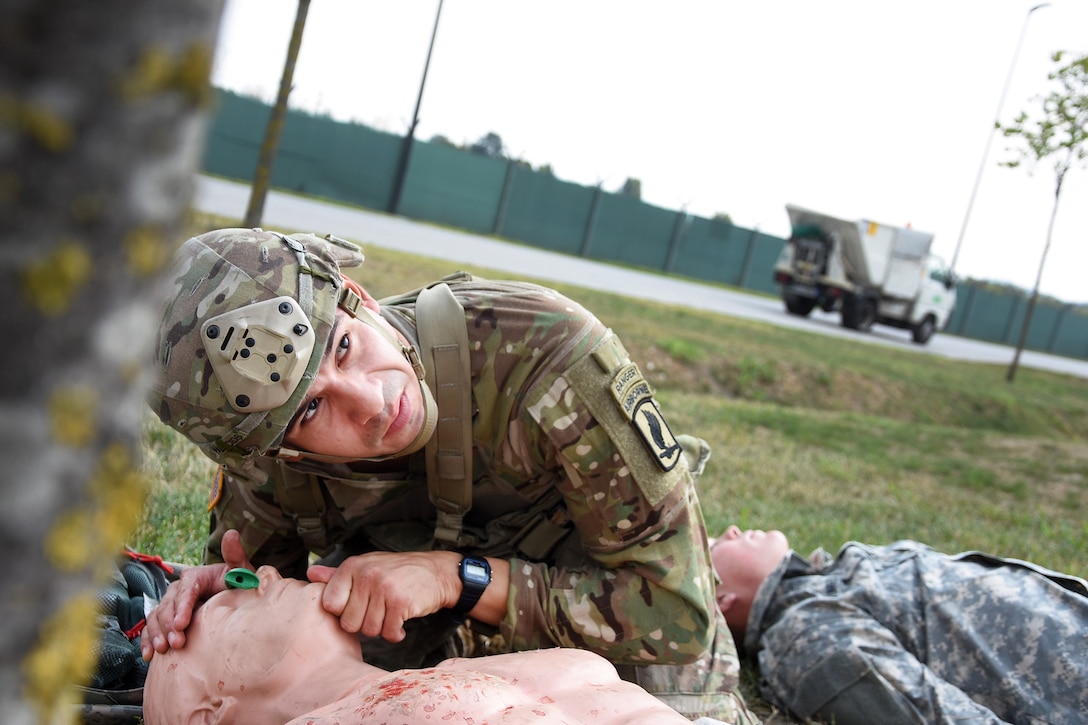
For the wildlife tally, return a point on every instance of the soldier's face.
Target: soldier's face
(366, 401)
(743, 559)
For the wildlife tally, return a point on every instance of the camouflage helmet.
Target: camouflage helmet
(244, 327)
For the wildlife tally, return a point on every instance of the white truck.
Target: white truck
(867, 271)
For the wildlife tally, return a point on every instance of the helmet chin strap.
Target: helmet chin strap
(351, 303)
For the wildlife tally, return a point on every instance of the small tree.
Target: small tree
(1061, 135)
(489, 145)
(262, 175)
(632, 188)
(442, 140)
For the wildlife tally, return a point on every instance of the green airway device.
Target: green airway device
(242, 579)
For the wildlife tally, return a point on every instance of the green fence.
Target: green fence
(357, 165)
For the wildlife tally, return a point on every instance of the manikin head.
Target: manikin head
(743, 561)
(251, 319)
(247, 652)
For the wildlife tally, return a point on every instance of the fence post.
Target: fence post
(1017, 299)
(591, 222)
(1057, 326)
(746, 263)
(678, 229)
(504, 197)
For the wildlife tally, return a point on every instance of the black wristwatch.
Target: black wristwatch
(475, 576)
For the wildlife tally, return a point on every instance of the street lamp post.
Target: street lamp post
(990, 136)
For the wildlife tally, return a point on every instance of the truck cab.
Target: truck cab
(933, 305)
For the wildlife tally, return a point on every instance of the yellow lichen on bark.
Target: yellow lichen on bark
(120, 491)
(150, 73)
(72, 412)
(155, 70)
(39, 122)
(64, 655)
(145, 250)
(80, 540)
(86, 534)
(68, 543)
(51, 283)
(194, 69)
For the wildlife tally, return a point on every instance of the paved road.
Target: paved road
(469, 250)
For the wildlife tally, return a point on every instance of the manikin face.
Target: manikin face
(241, 615)
(366, 401)
(743, 559)
(232, 652)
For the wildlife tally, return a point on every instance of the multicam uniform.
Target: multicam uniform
(904, 634)
(582, 490)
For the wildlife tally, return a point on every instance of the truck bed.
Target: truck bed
(874, 255)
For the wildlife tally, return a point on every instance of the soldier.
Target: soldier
(475, 448)
(905, 634)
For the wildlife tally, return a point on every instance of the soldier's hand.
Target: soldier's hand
(167, 622)
(376, 593)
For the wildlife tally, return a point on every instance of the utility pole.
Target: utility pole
(990, 136)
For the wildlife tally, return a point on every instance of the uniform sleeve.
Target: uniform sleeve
(644, 593)
(243, 500)
(826, 659)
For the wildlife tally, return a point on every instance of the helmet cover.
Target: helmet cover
(247, 278)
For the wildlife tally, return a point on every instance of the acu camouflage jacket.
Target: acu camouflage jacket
(904, 634)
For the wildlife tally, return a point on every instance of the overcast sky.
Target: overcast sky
(856, 108)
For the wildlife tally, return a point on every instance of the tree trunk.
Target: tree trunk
(262, 175)
(1010, 374)
(102, 113)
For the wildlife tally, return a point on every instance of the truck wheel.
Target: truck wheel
(858, 313)
(797, 305)
(850, 312)
(867, 315)
(924, 330)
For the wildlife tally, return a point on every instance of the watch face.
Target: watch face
(475, 571)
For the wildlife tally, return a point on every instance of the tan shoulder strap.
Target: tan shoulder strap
(443, 342)
(300, 497)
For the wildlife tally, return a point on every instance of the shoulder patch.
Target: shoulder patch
(635, 398)
(620, 399)
(217, 488)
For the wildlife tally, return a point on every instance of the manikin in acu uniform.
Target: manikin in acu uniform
(473, 449)
(905, 634)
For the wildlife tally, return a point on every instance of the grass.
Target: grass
(829, 440)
